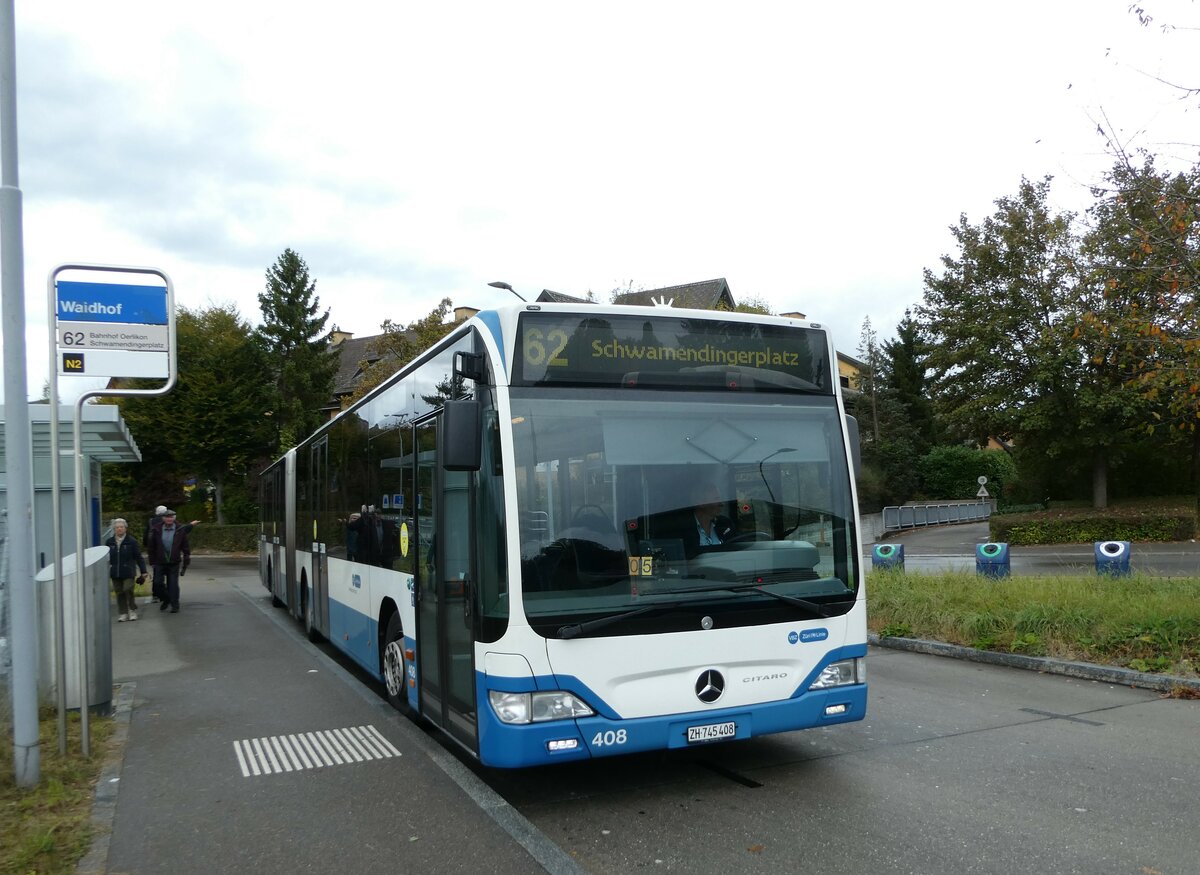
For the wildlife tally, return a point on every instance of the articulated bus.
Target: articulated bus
(579, 531)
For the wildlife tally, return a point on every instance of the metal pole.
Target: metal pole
(81, 600)
(60, 646)
(17, 439)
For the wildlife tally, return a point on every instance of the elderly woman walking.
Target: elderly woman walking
(124, 561)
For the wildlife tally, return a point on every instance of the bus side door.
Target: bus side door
(446, 621)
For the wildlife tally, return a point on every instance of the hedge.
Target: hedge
(1081, 526)
(205, 538)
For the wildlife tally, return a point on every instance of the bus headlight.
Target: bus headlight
(537, 707)
(841, 673)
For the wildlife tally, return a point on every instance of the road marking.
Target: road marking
(1054, 716)
(311, 750)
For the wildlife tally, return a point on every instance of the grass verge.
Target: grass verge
(1143, 623)
(48, 828)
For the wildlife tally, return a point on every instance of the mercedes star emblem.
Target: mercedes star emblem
(709, 686)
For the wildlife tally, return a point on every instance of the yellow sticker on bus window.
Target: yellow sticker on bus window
(404, 540)
(641, 566)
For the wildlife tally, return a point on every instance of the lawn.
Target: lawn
(48, 828)
(1143, 623)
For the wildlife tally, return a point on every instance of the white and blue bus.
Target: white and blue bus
(507, 532)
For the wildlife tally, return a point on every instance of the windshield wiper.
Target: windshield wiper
(818, 609)
(575, 630)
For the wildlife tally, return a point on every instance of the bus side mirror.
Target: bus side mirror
(855, 445)
(462, 435)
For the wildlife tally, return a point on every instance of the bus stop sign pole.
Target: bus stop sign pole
(99, 330)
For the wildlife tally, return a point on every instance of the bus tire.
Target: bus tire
(306, 605)
(394, 669)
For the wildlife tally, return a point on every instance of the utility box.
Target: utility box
(888, 556)
(1112, 558)
(96, 616)
(991, 560)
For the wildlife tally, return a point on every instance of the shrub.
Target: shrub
(1134, 522)
(953, 472)
(205, 538)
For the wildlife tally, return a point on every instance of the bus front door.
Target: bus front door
(446, 623)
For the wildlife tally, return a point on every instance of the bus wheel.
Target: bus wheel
(394, 675)
(306, 605)
(275, 601)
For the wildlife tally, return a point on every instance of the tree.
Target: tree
(221, 429)
(868, 350)
(904, 376)
(892, 397)
(297, 347)
(1006, 356)
(211, 426)
(397, 346)
(1143, 313)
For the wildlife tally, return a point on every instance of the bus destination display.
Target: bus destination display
(573, 349)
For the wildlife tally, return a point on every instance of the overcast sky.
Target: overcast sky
(812, 154)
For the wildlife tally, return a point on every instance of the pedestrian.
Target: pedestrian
(124, 561)
(170, 548)
(156, 582)
(158, 586)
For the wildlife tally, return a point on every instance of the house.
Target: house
(705, 295)
(355, 355)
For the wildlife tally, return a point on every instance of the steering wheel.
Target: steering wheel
(589, 510)
(750, 536)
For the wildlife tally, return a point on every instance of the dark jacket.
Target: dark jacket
(154, 524)
(181, 548)
(126, 560)
(690, 533)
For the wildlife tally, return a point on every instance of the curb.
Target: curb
(104, 805)
(1126, 677)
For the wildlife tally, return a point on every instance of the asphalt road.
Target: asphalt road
(959, 767)
(952, 548)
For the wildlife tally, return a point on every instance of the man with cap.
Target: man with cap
(158, 586)
(155, 522)
(168, 546)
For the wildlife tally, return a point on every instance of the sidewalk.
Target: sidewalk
(228, 675)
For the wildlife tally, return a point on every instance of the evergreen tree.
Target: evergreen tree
(297, 346)
(904, 376)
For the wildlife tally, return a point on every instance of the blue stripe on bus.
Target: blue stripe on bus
(354, 633)
(606, 734)
(491, 319)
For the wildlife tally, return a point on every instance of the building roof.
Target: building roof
(705, 295)
(353, 352)
(551, 297)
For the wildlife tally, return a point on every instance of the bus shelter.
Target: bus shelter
(105, 438)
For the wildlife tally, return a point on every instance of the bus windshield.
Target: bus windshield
(640, 511)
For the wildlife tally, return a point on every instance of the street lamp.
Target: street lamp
(500, 285)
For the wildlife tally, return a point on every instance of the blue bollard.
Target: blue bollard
(991, 560)
(888, 556)
(1112, 558)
